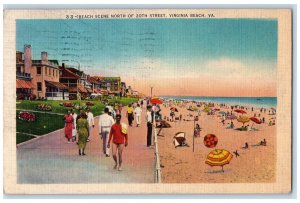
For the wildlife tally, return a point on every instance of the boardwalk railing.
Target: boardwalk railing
(157, 169)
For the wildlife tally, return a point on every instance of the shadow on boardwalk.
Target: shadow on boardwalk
(51, 160)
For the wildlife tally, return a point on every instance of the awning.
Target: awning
(72, 89)
(56, 84)
(104, 92)
(82, 89)
(97, 91)
(22, 84)
(89, 90)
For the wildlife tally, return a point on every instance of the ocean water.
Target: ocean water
(257, 102)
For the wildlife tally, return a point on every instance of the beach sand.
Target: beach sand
(257, 164)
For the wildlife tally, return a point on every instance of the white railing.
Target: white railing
(57, 95)
(157, 169)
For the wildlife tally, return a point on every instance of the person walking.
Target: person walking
(138, 112)
(149, 120)
(130, 115)
(68, 125)
(118, 133)
(105, 123)
(83, 131)
(90, 119)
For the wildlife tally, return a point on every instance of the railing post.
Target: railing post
(157, 170)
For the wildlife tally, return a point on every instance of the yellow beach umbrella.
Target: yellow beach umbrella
(218, 157)
(207, 109)
(243, 119)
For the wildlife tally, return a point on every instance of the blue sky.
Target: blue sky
(137, 48)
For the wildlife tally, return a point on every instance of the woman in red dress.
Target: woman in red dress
(68, 125)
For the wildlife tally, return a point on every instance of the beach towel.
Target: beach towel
(124, 128)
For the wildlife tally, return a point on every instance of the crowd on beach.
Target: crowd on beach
(227, 115)
(112, 129)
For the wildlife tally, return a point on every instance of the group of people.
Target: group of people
(110, 129)
(78, 128)
(80, 125)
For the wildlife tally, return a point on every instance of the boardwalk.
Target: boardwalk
(51, 160)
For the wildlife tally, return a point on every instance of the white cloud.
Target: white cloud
(225, 64)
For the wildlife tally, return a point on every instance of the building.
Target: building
(123, 89)
(24, 86)
(129, 91)
(43, 75)
(96, 83)
(112, 85)
(77, 82)
(71, 80)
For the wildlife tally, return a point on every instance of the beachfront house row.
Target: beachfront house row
(43, 75)
(76, 81)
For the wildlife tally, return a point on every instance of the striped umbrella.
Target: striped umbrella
(240, 111)
(218, 157)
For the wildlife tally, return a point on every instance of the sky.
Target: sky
(188, 57)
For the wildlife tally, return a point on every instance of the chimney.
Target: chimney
(63, 65)
(27, 58)
(44, 56)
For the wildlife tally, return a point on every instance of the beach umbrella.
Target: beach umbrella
(179, 139)
(174, 109)
(156, 101)
(231, 117)
(207, 109)
(240, 111)
(218, 157)
(273, 109)
(210, 140)
(243, 119)
(222, 112)
(255, 120)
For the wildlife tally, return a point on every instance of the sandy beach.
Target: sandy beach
(182, 165)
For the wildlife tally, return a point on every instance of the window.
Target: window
(18, 69)
(39, 70)
(39, 86)
(56, 73)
